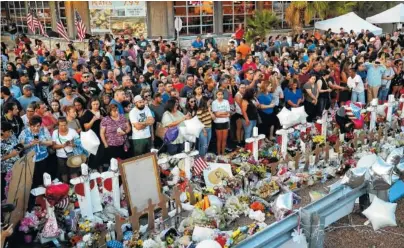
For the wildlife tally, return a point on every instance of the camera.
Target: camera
(36, 136)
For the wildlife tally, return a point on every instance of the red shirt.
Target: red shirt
(239, 34)
(247, 66)
(178, 86)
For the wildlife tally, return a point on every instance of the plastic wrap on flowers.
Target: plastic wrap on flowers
(354, 177)
(381, 175)
(283, 205)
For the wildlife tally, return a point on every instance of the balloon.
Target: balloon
(171, 134)
(354, 177)
(381, 175)
(399, 169)
(395, 156)
(209, 244)
(367, 161)
(381, 214)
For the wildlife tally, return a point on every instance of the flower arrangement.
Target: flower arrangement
(319, 139)
(29, 223)
(332, 139)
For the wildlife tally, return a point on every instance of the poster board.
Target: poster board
(141, 180)
(20, 187)
(118, 17)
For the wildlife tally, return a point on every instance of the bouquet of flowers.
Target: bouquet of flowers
(29, 223)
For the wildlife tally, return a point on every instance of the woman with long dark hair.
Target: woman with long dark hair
(221, 109)
(206, 116)
(267, 113)
(191, 106)
(310, 98)
(249, 112)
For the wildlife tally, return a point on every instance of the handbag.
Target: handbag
(126, 144)
(68, 154)
(160, 130)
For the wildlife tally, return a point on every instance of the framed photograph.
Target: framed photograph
(141, 180)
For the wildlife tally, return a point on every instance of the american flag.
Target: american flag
(32, 21)
(60, 27)
(81, 28)
(199, 165)
(353, 112)
(38, 24)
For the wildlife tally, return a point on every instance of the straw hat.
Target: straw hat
(76, 161)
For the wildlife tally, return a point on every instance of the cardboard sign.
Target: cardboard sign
(20, 188)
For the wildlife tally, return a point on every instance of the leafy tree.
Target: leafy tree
(301, 13)
(260, 24)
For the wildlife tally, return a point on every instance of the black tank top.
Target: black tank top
(252, 112)
(324, 86)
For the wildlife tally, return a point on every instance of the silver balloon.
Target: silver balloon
(381, 175)
(395, 156)
(399, 169)
(355, 177)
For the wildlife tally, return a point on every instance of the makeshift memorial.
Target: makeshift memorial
(380, 175)
(88, 195)
(354, 177)
(110, 183)
(216, 173)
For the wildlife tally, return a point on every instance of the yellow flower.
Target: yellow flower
(66, 212)
(87, 229)
(140, 242)
(238, 170)
(236, 233)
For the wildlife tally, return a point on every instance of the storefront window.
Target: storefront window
(197, 16)
(62, 12)
(235, 13)
(43, 13)
(18, 15)
(3, 16)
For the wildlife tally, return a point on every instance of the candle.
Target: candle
(255, 131)
(187, 147)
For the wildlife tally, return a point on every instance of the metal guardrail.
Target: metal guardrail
(313, 217)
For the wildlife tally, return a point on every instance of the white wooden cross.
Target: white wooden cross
(402, 107)
(90, 201)
(324, 124)
(284, 132)
(114, 191)
(390, 104)
(372, 109)
(255, 139)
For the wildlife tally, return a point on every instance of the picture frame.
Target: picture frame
(141, 180)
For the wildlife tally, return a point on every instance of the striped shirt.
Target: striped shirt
(205, 117)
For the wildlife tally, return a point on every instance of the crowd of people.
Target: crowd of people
(130, 90)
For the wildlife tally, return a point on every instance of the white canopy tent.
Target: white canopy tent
(348, 22)
(393, 15)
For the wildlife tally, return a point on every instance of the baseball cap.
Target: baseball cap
(27, 87)
(85, 85)
(108, 82)
(138, 98)
(68, 85)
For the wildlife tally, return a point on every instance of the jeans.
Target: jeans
(173, 149)
(383, 93)
(248, 130)
(323, 104)
(358, 97)
(203, 143)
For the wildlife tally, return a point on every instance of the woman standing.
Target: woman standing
(63, 142)
(249, 112)
(221, 109)
(198, 94)
(397, 82)
(310, 98)
(91, 119)
(238, 116)
(37, 138)
(71, 117)
(293, 95)
(172, 117)
(9, 153)
(344, 95)
(267, 113)
(324, 91)
(56, 110)
(191, 106)
(114, 129)
(206, 116)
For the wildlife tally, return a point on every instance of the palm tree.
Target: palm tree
(260, 24)
(301, 13)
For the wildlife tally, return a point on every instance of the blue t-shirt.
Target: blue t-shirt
(375, 74)
(265, 99)
(25, 101)
(41, 151)
(120, 107)
(165, 97)
(197, 45)
(15, 91)
(293, 97)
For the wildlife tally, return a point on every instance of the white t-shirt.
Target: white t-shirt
(388, 73)
(136, 115)
(60, 139)
(223, 106)
(356, 84)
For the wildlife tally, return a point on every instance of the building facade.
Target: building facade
(152, 19)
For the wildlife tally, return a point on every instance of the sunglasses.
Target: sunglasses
(146, 95)
(86, 76)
